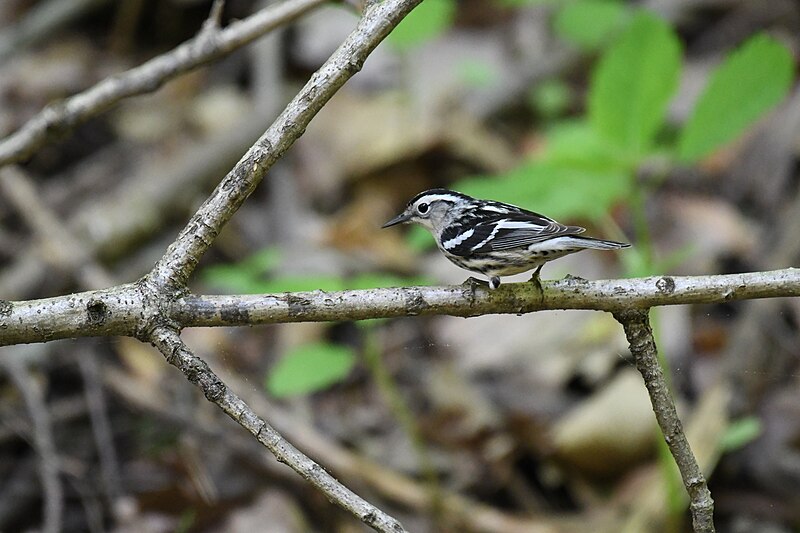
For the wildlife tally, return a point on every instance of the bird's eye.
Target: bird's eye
(422, 209)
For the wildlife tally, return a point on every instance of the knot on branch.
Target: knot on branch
(199, 373)
(97, 312)
(156, 301)
(665, 285)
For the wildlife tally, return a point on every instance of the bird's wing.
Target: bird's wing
(504, 232)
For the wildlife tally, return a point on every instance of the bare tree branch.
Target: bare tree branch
(643, 347)
(45, 446)
(128, 309)
(473, 300)
(210, 44)
(169, 343)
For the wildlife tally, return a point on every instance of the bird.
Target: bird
(494, 238)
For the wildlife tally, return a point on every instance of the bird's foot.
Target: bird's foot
(474, 283)
(536, 280)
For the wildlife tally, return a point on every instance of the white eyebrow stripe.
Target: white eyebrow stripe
(458, 239)
(435, 197)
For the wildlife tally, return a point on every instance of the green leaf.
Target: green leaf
(244, 277)
(555, 190)
(263, 261)
(551, 98)
(575, 144)
(740, 433)
(478, 74)
(752, 80)
(310, 368)
(425, 22)
(633, 83)
(370, 280)
(590, 23)
(301, 284)
(419, 239)
(517, 3)
(231, 279)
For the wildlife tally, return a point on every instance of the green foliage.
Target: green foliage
(244, 277)
(517, 3)
(310, 368)
(575, 144)
(477, 73)
(752, 80)
(740, 433)
(556, 190)
(425, 22)
(419, 239)
(550, 98)
(253, 276)
(373, 281)
(633, 83)
(590, 23)
(301, 284)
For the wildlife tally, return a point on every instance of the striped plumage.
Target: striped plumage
(494, 238)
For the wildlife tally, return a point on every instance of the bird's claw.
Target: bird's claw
(537, 281)
(474, 283)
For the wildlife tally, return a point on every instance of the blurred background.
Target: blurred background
(671, 124)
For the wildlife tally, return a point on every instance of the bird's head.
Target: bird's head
(433, 209)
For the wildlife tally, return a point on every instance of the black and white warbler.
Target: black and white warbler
(494, 238)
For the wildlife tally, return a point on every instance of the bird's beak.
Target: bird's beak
(399, 219)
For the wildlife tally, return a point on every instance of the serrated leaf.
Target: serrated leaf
(633, 83)
(590, 23)
(310, 368)
(752, 80)
(425, 22)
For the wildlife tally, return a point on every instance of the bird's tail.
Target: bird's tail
(598, 244)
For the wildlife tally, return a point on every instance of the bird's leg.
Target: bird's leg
(475, 282)
(536, 280)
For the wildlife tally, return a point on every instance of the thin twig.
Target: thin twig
(63, 248)
(101, 426)
(43, 441)
(42, 21)
(643, 347)
(169, 343)
(206, 47)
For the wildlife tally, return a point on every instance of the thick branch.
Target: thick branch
(169, 343)
(643, 347)
(130, 309)
(208, 45)
(468, 300)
